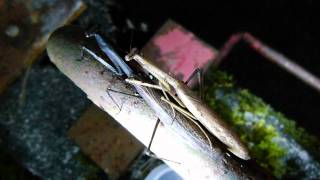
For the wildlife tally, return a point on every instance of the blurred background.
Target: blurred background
(49, 130)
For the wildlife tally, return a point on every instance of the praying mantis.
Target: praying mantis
(189, 104)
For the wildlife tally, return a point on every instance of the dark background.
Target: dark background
(287, 26)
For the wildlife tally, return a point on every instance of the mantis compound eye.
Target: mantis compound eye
(151, 76)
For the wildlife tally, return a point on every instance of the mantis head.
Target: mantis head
(132, 53)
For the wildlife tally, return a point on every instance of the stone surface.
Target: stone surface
(105, 141)
(35, 114)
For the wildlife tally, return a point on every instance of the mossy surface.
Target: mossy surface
(274, 141)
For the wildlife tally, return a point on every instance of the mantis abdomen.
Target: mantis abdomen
(213, 123)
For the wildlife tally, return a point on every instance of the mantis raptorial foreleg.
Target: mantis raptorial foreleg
(180, 109)
(160, 87)
(140, 83)
(183, 111)
(137, 82)
(166, 96)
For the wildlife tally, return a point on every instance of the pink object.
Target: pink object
(179, 51)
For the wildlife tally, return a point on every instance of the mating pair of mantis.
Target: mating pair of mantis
(188, 103)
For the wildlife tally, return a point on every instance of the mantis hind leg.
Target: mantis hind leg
(124, 93)
(159, 87)
(120, 92)
(148, 151)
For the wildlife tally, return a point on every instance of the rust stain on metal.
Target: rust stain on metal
(24, 29)
(105, 141)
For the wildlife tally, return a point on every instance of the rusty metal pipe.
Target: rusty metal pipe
(271, 55)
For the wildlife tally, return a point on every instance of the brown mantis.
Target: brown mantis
(196, 110)
(190, 105)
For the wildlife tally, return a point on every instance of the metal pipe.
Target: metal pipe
(180, 142)
(271, 55)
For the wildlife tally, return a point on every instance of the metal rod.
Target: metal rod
(271, 55)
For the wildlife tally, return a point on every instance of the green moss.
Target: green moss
(308, 141)
(251, 118)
